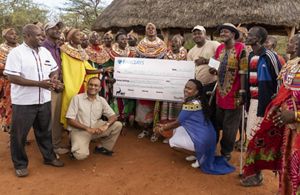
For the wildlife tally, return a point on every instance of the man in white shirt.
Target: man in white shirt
(32, 71)
(84, 122)
(200, 54)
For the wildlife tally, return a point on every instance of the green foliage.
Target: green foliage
(17, 13)
(81, 13)
(281, 45)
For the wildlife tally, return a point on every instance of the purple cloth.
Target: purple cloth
(55, 52)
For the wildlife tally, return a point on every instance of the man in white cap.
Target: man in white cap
(200, 54)
(53, 34)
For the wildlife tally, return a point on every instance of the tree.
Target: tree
(17, 13)
(81, 13)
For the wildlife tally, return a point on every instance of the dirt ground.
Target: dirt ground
(137, 167)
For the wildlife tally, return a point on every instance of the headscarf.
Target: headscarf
(179, 38)
(109, 34)
(243, 30)
(5, 31)
(133, 34)
(119, 33)
(93, 33)
(70, 33)
(150, 24)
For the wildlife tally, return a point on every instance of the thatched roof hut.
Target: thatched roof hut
(278, 16)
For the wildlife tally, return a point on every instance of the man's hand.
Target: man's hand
(109, 69)
(102, 128)
(54, 77)
(242, 98)
(201, 61)
(158, 128)
(58, 86)
(46, 84)
(283, 117)
(92, 130)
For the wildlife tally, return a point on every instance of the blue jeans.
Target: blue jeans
(24, 117)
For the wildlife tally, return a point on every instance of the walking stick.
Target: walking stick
(242, 140)
(212, 94)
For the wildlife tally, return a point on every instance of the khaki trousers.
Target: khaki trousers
(81, 139)
(57, 127)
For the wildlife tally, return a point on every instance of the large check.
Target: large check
(151, 79)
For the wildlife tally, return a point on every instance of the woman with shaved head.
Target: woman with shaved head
(149, 47)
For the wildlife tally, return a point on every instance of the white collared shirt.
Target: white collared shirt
(27, 63)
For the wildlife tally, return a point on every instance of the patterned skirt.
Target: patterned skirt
(5, 104)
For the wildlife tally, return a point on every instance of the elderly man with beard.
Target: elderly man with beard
(33, 73)
(53, 34)
(264, 67)
(230, 93)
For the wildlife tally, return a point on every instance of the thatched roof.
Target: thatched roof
(185, 14)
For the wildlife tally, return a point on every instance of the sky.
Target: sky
(54, 4)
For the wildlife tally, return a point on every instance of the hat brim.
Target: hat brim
(232, 29)
(59, 24)
(194, 29)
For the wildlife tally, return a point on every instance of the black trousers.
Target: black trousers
(212, 107)
(23, 118)
(228, 121)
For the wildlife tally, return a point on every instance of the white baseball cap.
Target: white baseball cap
(198, 27)
(53, 24)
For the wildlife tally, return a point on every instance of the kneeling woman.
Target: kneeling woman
(194, 131)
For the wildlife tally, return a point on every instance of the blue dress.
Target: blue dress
(203, 135)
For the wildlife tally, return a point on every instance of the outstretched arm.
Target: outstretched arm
(162, 127)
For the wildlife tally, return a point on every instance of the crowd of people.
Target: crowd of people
(62, 79)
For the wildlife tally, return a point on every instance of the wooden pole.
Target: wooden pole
(291, 32)
(166, 34)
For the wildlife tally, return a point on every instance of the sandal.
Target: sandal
(243, 147)
(237, 144)
(154, 137)
(143, 134)
(255, 180)
(21, 172)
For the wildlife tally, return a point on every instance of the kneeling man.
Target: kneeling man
(84, 122)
